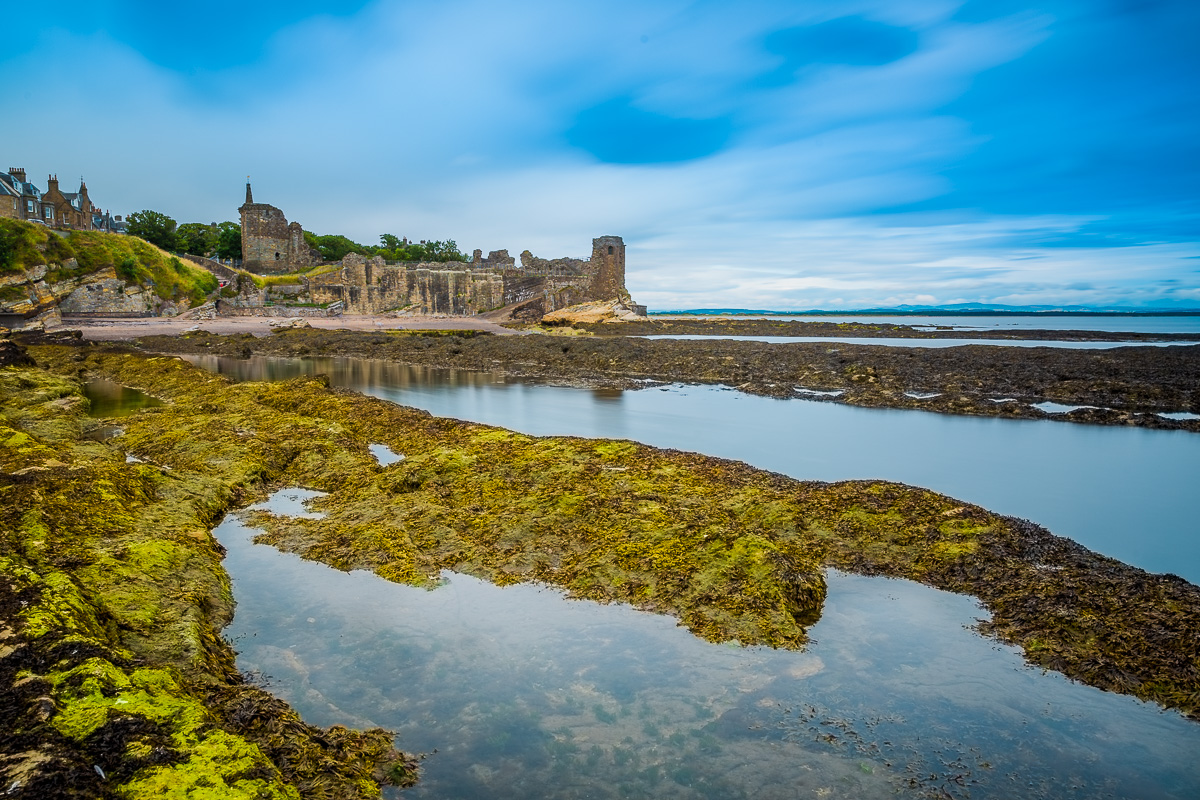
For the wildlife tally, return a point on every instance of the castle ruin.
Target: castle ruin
(270, 245)
(536, 287)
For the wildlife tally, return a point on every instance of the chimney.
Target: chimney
(18, 173)
(52, 183)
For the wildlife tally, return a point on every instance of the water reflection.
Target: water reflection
(525, 694)
(1125, 492)
(109, 399)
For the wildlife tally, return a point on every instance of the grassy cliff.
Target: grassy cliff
(24, 246)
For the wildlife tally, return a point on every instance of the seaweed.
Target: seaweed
(112, 597)
(733, 552)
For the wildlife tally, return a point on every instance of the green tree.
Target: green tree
(156, 228)
(335, 248)
(433, 250)
(390, 242)
(229, 240)
(197, 238)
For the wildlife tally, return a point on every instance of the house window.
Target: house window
(29, 206)
(610, 249)
(49, 210)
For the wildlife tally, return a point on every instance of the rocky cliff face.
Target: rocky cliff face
(34, 296)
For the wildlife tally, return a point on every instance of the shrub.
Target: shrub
(127, 270)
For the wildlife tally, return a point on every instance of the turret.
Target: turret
(608, 269)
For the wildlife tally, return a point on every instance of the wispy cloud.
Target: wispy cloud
(769, 154)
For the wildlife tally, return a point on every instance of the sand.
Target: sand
(117, 329)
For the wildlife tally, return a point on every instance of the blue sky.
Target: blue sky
(781, 155)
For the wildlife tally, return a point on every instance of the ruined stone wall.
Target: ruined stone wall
(532, 265)
(458, 289)
(222, 271)
(607, 269)
(270, 244)
(373, 287)
(496, 259)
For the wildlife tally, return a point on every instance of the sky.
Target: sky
(769, 155)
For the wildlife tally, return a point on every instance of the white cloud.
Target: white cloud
(446, 121)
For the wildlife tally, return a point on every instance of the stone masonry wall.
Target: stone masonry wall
(457, 289)
(270, 244)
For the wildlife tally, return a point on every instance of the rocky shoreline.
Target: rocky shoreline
(727, 326)
(115, 677)
(1119, 386)
(733, 552)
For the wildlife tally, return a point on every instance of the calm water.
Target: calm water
(109, 399)
(1116, 323)
(525, 694)
(1125, 492)
(899, 342)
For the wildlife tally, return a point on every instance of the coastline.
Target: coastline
(731, 551)
(1120, 386)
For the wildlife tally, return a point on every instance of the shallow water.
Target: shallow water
(1125, 492)
(110, 399)
(525, 694)
(936, 343)
(1116, 323)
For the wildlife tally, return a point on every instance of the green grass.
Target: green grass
(24, 245)
(137, 261)
(277, 280)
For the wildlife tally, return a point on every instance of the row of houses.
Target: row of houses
(21, 199)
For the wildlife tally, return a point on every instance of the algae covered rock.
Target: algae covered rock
(112, 670)
(126, 565)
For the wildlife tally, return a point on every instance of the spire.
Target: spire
(249, 197)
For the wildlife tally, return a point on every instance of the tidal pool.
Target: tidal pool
(523, 693)
(1124, 492)
(110, 399)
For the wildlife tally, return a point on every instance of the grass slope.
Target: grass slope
(24, 246)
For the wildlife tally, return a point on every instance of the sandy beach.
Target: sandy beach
(117, 329)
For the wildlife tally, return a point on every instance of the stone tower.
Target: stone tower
(270, 245)
(608, 269)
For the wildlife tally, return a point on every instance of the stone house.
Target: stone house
(63, 210)
(20, 199)
(28, 196)
(10, 198)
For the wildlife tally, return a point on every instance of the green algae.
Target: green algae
(733, 553)
(111, 601)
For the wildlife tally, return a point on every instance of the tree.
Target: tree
(196, 238)
(229, 240)
(335, 248)
(157, 229)
(390, 242)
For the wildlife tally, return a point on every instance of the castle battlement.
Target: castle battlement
(272, 245)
